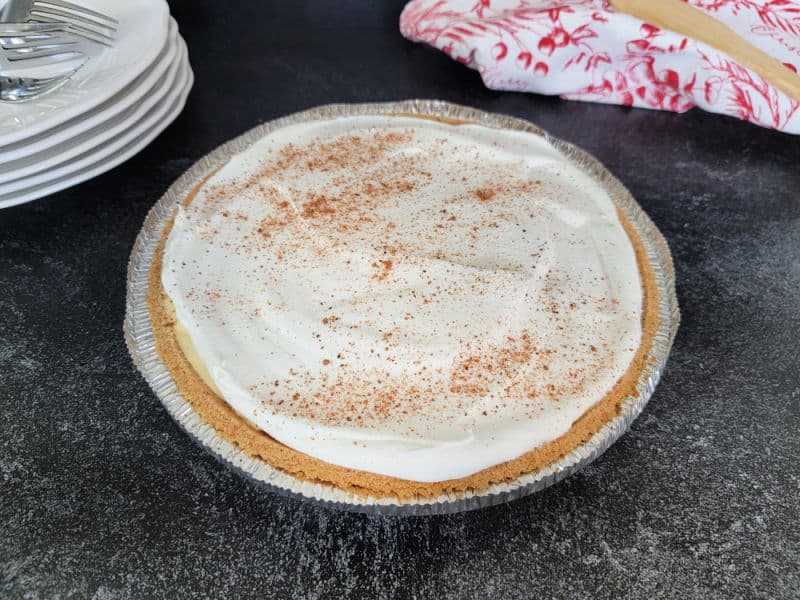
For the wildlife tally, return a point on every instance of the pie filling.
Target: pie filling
(404, 296)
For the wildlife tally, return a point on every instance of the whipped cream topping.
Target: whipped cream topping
(403, 296)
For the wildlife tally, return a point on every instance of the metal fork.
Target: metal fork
(33, 43)
(20, 89)
(26, 46)
(87, 23)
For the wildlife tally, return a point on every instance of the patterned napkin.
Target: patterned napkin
(585, 50)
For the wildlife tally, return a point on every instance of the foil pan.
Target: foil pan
(141, 343)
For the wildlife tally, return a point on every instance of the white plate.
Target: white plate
(38, 168)
(44, 142)
(141, 34)
(130, 144)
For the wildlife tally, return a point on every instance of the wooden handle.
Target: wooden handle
(687, 20)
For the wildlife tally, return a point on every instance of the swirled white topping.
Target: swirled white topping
(404, 296)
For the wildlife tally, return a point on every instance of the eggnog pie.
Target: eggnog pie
(403, 306)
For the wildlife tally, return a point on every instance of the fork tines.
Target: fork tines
(56, 45)
(21, 89)
(82, 21)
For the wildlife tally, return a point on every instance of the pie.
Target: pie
(403, 306)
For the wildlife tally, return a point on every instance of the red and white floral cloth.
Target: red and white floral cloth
(585, 50)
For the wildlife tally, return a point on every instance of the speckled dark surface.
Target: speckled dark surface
(102, 496)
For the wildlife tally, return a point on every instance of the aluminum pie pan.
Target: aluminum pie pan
(141, 342)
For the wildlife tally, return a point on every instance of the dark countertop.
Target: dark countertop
(101, 495)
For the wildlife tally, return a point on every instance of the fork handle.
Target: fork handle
(687, 20)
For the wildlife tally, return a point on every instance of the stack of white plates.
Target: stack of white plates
(111, 108)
